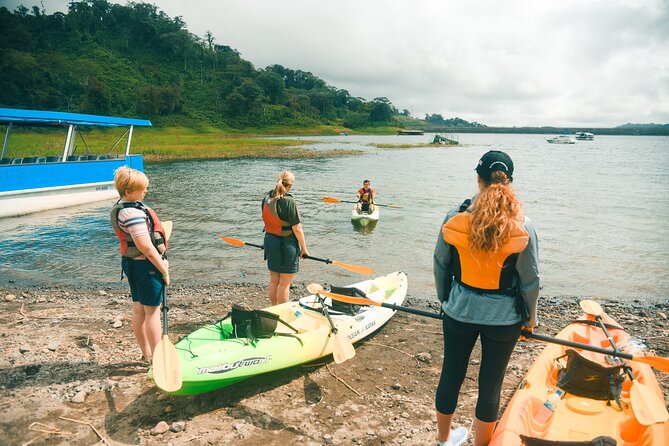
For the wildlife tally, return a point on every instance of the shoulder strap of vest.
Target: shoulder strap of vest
(142, 207)
(465, 204)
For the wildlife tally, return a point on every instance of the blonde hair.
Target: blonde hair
(495, 214)
(128, 180)
(285, 181)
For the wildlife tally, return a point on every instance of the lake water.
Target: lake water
(600, 209)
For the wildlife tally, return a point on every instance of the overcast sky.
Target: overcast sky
(511, 62)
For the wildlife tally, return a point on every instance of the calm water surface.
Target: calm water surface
(600, 208)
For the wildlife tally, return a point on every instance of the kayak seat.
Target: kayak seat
(343, 307)
(599, 441)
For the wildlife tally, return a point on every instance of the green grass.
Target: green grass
(173, 143)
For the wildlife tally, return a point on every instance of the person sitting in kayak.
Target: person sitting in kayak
(486, 271)
(365, 197)
(143, 240)
(284, 238)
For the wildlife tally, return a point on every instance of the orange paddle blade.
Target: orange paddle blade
(349, 299)
(366, 270)
(331, 200)
(232, 241)
(648, 407)
(166, 367)
(657, 362)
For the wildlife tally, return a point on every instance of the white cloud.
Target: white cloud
(516, 62)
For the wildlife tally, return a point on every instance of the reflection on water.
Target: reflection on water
(599, 207)
(364, 229)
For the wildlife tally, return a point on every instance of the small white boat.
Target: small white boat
(585, 136)
(562, 139)
(363, 218)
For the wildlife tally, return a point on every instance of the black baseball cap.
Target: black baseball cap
(492, 161)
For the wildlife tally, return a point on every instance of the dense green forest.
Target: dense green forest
(134, 60)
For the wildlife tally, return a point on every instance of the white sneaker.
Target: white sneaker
(457, 438)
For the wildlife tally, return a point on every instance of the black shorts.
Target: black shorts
(282, 254)
(146, 282)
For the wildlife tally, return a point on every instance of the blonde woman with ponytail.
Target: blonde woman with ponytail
(486, 271)
(284, 238)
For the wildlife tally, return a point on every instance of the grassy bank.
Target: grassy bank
(161, 144)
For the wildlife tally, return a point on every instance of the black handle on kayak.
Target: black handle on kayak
(564, 342)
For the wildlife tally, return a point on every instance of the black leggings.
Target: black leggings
(497, 343)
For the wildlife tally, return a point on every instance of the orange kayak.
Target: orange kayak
(577, 418)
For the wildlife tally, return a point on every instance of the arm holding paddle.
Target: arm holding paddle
(299, 235)
(143, 243)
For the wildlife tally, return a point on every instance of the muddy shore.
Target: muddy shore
(70, 374)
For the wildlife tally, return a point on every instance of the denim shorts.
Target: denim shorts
(282, 254)
(145, 280)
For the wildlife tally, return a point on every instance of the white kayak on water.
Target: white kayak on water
(363, 218)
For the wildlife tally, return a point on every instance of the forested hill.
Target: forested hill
(134, 60)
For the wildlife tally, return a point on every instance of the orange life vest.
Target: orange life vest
(156, 230)
(270, 216)
(488, 272)
(366, 196)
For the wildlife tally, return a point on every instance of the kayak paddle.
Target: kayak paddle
(366, 301)
(354, 268)
(166, 367)
(342, 349)
(336, 200)
(647, 407)
(657, 362)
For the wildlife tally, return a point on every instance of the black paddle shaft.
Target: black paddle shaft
(564, 342)
(306, 257)
(412, 310)
(333, 328)
(613, 344)
(165, 310)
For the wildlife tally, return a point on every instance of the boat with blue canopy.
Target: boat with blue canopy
(39, 183)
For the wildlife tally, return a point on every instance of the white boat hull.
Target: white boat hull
(364, 218)
(15, 203)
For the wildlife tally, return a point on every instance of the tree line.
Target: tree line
(134, 60)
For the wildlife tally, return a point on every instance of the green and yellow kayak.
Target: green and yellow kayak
(211, 357)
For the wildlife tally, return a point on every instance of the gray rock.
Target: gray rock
(117, 323)
(178, 426)
(405, 415)
(424, 357)
(80, 397)
(10, 297)
(160, 428)
(24, 348)
(53, 345)
(102, 292)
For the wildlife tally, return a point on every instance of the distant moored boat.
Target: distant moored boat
(585, 136)
(562, 139)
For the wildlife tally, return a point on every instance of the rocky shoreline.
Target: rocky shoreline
(70, 374)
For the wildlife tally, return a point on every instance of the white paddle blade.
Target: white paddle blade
(166, 367)
(342, 349)
(647, 406)
(314, 288)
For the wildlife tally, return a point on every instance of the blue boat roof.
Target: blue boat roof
(37, 117)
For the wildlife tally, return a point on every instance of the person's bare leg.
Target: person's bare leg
(138, 329)
(443, 426)
(283, 290)
(273, 285)
(152, 326)
(483, 432)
